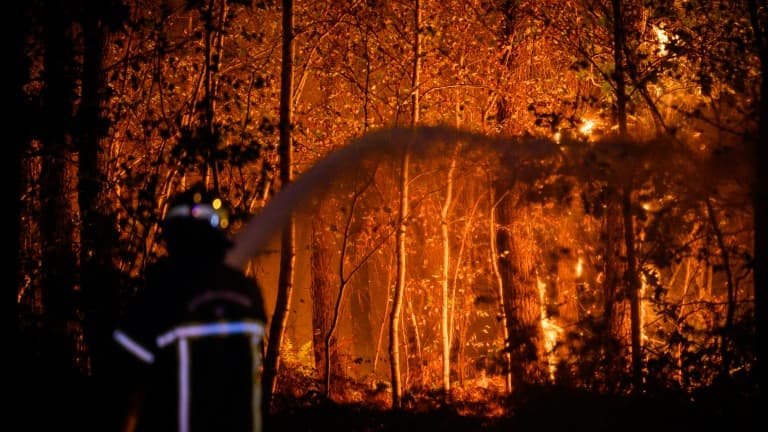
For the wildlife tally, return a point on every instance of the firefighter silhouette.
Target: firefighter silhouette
(194, 332)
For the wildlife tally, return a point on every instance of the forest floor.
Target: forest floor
(557, 414)
(48, 406)
(545, 409)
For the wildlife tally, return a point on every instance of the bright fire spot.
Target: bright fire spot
(556, 137)
(644, 287)
(551, 334)
(661, 35)
(551, 331)
(586, 128)
(579, 267)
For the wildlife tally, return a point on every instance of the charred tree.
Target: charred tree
(57, 353)
(100, 282)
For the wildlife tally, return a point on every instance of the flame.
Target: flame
(587, 126)
(662, 37)
(643, 303)
(579, 267)
(550, 329)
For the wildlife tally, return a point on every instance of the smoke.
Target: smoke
(515, 158)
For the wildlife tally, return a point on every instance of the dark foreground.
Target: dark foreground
(55, 406)
(546, 411)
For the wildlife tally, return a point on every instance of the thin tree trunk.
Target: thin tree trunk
(680, 324)
(494, 252)
(458, 327)
(632, 282)
(444, 232)
(343, 282)
(760, 200)
(725, 351)
(214, 50)
(397, 298)
(618, 62)
(384, 315)
(23, 403)
(418, 354)
(461, 352)
(288, 243)
(394, 322)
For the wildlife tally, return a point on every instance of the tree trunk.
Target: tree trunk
(57, 351)
(725, 349)
(495, 257)
(288, 242)
(394, 322)
(618, 64)
(214, 51)
(387, 310)
(517, 257)
(21, 404)
(444, 232)
(614, 335)
(760, 200)
(397, 298)
(631, 276)
(320, 289)
(632, 283)
(100, 280)
(57, 185)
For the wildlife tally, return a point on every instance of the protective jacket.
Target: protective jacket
(197, 330)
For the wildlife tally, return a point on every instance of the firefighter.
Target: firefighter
(194, 332)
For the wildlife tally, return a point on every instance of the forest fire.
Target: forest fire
(480, 211)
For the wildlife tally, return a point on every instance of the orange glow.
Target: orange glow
(587, 126)
(662, 37)
(550, 329)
